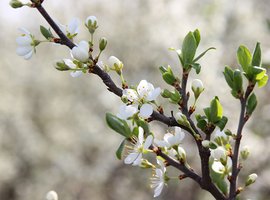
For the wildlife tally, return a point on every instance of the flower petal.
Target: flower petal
(29, 55)
(24, 41)
(142, 88)
(140, 135)
(131, 158)
(148, 142)
(146, 111)
(153, 94)
(23, 50)
(138, 160)
(158, 189)
(73, 26)
(76, 74)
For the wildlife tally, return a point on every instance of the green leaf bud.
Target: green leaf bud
(216, 110)
(16, 4)
(244, 58)
(61, 66)
(251, 104)
(256, 58)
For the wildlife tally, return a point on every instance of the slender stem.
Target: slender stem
(241, 123)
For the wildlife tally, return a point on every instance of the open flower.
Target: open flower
(81, 51)
(144, 93)
(222, 167)
(126, 111)
(72, 29)
(170, 139)
(135, 156)
(26, 44)
(159, 178)
(71, 65)
(219, 153)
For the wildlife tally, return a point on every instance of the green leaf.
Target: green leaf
(244, 58)
(166, 93)
(46, 32)
(259, 72)
(228, 74)
(120, 149)
(188, 49)
(144, 125)
(237, 81)
(201, 122)
(197, 36)
(216, 110)
(202, 54)
(197, 67)
(219, 181)
(175, 96)
(256, 58)
(251, 103)
(262, 82)
(222, 123)
(118, 125)
(162, 69)
(207, 112)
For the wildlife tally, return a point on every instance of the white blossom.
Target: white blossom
(197, 84)
(219, 153)
(144, 93)
(253, 177)
(91, 20)
(126, 111)
(182, 153)
(170, 139)
(72, 29)
(112, 61)
(81, 51)
(135, 156)
(26, 46)
(159, 178)
(51, 195)
(71, 65)
(218, 167)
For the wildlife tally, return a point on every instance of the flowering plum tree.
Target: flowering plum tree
(218, 148)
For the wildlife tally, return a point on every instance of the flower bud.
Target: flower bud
(61, 66)
(16, 4)
(51, 195)
(102, 43)
(182, 154)
(80, 52)
(181, 119)
(197, 87)
(206, 143)
(251, 179)
(244, 152)
(91, 23)
(115, 64)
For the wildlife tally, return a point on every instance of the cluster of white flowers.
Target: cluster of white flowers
(140, 100)
(142, 145)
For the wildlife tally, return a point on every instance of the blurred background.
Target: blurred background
(53, 134)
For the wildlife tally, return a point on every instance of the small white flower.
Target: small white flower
(159, 178)
(126, 111)
(170, 139)
(147, 91)
(219, 153)
(135, 156)
(26, 44)
(218, 167)
(72, 29)
(81, 51)
(51, 195)
(130, 94)
(71, 65)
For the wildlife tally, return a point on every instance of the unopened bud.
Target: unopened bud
(115, 64)
(244, 152)
(251, 179)
(16, 4)
(102, 43)
(182, 119)
(91, 23)
(197, 87)
(182, 154)
(206, 143)
(61, 66)
(51, 195)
